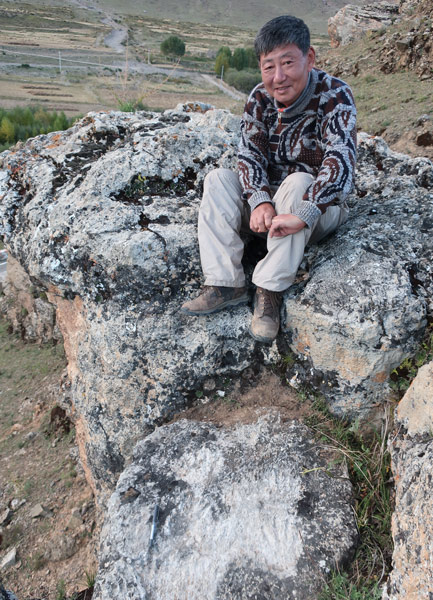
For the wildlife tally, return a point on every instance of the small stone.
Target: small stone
(6, 517)
(74, 523)
(38, 511)
(75, 512)
(61, 549)
(221, 393)
(16, 503)
(17, 427)
(9, 560)
(209, 385)
(423, 118)
(425, 139)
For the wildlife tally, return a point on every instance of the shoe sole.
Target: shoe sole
(260, 338)
(210, 311)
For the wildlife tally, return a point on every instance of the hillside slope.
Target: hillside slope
(245, 14)
(391, 71)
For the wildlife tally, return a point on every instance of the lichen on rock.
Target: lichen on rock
(103, 217)
(412, 458)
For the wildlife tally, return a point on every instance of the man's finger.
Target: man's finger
(268, 220)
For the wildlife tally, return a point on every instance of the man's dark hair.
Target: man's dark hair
(280, 32)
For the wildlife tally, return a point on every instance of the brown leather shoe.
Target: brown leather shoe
(266, 318)
(214, 298)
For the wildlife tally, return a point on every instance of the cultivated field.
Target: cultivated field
(79, 59)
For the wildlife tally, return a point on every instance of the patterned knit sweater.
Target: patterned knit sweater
(317, 135)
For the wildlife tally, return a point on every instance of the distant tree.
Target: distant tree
(252, 58)
(222, 64)
(7, 130)
(60, 122)
(173, 46)
(240, 59)
(225, 50)
(223, 59)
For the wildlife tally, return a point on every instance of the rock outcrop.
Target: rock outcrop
(412, 464)
(407, 45)
(365, 284)
(103, 218)
(352, 21)
(255, 511)
(411, 47)
(26, 307)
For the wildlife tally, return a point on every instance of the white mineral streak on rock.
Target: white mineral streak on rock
(243, 511)
(412, 465)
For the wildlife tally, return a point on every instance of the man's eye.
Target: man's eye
(288, 62)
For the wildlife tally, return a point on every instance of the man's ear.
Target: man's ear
(311, 58)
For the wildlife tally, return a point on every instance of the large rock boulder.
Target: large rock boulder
(353, 21)
(255, 511)
(412, 465)
(103, 219)
(363, 306)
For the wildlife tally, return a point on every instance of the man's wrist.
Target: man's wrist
(259, 197)
(307, 212)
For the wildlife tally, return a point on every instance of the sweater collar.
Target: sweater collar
(304, 98)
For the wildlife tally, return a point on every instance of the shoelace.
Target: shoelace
(267, 303)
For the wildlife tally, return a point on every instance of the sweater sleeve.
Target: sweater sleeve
(253, 155)
(335, 178)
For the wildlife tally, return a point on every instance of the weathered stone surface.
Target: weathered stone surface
(412, 465)
(362, 309)
(411, 49)
(406, 46)
(26, 307)
(9, 559)
(104, 218)
(62, 549)
(250, 512)
(352, 21)
(5, 594)
(415, 411)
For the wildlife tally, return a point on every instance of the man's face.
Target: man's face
(285, 72)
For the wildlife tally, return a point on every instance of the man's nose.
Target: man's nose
(279, 73)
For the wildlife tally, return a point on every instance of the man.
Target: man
(296, 164)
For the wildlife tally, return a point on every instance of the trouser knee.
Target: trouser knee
(219, 176)
(291, 191)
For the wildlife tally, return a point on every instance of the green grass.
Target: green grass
(403, 375)
(368, 463)
(21, 363)
(341, 588)
(61, 590)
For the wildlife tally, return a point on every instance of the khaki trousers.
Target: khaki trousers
(223, 214)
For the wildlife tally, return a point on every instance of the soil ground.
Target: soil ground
(40, 470)
(40, 474)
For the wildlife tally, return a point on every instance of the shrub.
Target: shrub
(244, 81)
(173, 46)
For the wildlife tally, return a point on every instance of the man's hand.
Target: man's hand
(261, 217)
(283, 225)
